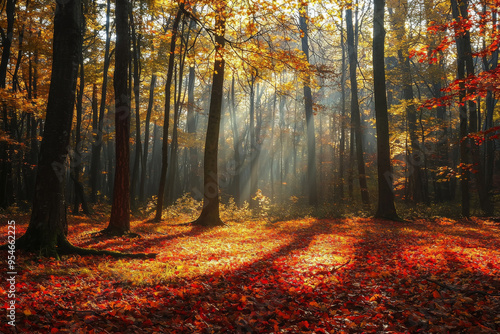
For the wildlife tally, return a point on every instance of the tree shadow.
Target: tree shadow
(138, 244)
(413, 283)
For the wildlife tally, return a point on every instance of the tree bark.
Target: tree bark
(166, 120)
(76, 159)
(415, 158)
(191, 129)
(340, 178)
(254, 148)
(484, 198)
(210, 213)
(464, 154)
(312, 191)
(385, 207)
(236, 147)
(95, 166)
(355, 114)
(48, 226)
(136, 59)
(119, 222)
(7, 36)
(146, 138)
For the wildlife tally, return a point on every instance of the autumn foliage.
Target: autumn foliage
(301, 276)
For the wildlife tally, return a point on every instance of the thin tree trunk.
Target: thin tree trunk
(415, 157)
(253, 145)
(464, 159)
(489, 149)
(484, 198)
(95, 166)
(168, 83)
(355, 113)
(236, 147)
(191, 129)
(136, 47)
(312, 191)
(340, 179)
(76, 167)
(146, 139)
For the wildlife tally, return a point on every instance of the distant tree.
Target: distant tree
(355, 113)
(460, 39)
(98, 119)
(210, 213)
(312, 190)
(386, 208)
(166, 120)
(417, 188)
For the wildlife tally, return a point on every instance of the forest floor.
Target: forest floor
(310, 275)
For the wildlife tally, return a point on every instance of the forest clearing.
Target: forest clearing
(346, 275)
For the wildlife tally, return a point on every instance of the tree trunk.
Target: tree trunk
(489, 150)
(464, 159)
(236, 147)
(76, 159)
(340, 178)
(385, 207)
(442, 185)
(168, 83)
(312, 191)
(210, 213)
(415, 158)
(95, 166)
(6, 186)
(119, 222)
(191, 129)
(254, 149)
(10, 10)
(146, 139)
(484, 198)
(48, 225)
(355, 114)
(136, 47)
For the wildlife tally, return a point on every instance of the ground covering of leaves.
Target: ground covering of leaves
(302, 276)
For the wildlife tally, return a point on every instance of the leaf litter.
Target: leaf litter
(357, 275)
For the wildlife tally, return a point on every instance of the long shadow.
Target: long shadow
(411, 291)
(140, 244)
(256, 294)
(248, 299)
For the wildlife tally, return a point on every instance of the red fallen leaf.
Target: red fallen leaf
(436, 294)
(304, 324)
